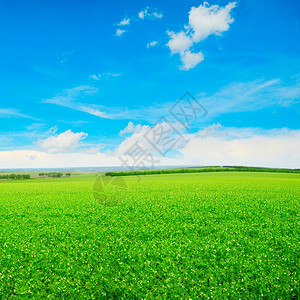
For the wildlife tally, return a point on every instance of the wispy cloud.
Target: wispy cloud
(150, 13)
(104, 75)
(35, 126)
(96, 76)
(71, 98)
(64, 56)
(68, 96)
(94, 111)
(13, 113)
(124, 22)
(233, 98)
(236, 97)
(120, 32)
(152, 44)
(147, 13)
(244, 96)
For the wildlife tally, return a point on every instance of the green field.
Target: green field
(176, 236)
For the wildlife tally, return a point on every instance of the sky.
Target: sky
(149, 83)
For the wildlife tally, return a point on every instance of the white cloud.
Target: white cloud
(12, 113)
(204, 20)
(148, 13)
(124, 22)
(160, 134)
(152, 44)
(96, 77)
(190, 60)
(104, 75)
(120, 32)
(35, 126)
(68, 96)
(248, 96)
(247, 147)
(23, 159)
(71, 98)
(213, 145)
(137, 136)
(244, 97)
(52, 130)
(216, 145)
(113, 74)
(141, 14)
(61, 143)
(235, 97)
(131, 128)
(179, 42)
(93, 111)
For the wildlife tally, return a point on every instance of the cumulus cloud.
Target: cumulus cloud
(61, 143)
(218, 145)
(179, 42)
(157, 139)
(244, 146)
(131, 128)
(191, 60)
(204, 20)
(152, 44)
(136, 134)
(213, 145)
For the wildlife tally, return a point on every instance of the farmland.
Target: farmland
(231, 235)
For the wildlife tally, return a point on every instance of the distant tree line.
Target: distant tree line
(54, 174)
(263, 168)
(15, 176)
(200, 170)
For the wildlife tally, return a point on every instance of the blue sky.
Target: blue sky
(76, 73)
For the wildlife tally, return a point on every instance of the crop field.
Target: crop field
(218, 235)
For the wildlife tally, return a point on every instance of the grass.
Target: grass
(175, 236)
